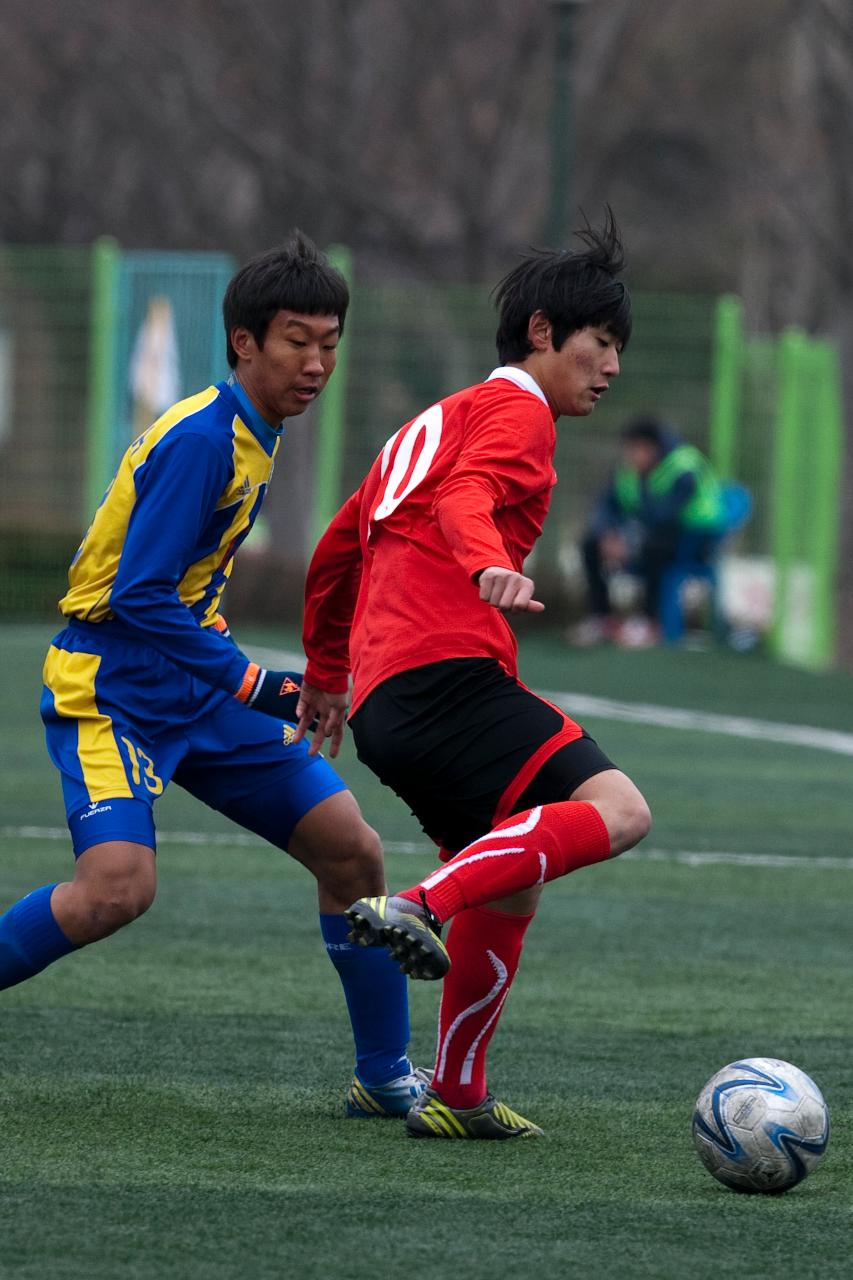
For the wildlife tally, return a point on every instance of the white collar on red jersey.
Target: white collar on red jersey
(521, 378)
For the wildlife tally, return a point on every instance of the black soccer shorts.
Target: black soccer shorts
(465, 745)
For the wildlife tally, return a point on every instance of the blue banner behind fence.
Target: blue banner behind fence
(169, 336)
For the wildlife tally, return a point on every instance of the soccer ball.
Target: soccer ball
(760, 1125)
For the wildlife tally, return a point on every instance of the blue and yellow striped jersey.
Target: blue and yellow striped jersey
(160, 549)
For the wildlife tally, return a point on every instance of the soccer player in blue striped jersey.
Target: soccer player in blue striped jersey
(145, 685)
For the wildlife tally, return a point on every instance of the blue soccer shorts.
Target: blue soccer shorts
(122, 722)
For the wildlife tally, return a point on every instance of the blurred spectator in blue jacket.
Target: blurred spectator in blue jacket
(663, 503)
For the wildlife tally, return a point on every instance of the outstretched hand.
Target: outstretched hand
(508, 590)
(329, 710)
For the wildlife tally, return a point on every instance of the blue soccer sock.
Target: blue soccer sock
(30, 938)
(377, 999)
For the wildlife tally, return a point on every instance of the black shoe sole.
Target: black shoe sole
(415, 957)
(366, 926)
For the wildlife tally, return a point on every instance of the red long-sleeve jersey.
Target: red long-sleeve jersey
(393, 582)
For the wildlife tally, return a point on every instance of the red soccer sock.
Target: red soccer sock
(485, 947)
(529, 848)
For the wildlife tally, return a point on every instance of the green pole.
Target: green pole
(825, 508)
(328, 455)
(106, 256)
(562, 122)
(726, 384)
(793, 350)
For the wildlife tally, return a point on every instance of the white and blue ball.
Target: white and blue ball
(761, 1125)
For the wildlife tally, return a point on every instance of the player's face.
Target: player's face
(576, 377)
(288, 373)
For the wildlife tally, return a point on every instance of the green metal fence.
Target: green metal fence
(156, 337)
(45, 298)
(328, 457)
(807, 494)
(94, 343)
(776, 424)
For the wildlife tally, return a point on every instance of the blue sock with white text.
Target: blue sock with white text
(377, 999)
(30, 938)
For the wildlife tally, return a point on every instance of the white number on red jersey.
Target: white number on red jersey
(424, 436)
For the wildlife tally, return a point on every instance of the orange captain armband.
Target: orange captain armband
(247, 684)
(219, 624)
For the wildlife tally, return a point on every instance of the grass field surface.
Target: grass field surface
(171, 1100)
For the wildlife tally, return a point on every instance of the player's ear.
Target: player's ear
(243, 343)
(539, 331)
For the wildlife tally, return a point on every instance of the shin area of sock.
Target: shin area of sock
(529, 848)
(485, 948)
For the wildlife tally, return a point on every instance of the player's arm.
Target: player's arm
(508, 590)
(177, 491)
(275, 692)
(331, 590)
(178, 488)
(503, 461)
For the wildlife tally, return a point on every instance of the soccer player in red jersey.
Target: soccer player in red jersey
(410, 587)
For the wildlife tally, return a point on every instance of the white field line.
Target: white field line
(222, 839)
(711, 858)
(793, 735)
(685, 857)
(578, 705)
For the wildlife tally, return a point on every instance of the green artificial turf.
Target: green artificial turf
(171, 1100)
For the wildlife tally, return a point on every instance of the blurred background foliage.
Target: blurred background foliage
(428, 139)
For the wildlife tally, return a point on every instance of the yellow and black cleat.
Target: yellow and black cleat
(394, 1099)
(410, 932)
(432, 1118)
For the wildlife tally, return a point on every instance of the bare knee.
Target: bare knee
(106, 907)
(340, 850)
(631, 823)
(114, 883)
(354, 866)
(120, 904)
(622, 807)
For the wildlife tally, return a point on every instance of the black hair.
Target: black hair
(574, 288)
(294, 277)
(646, 428)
